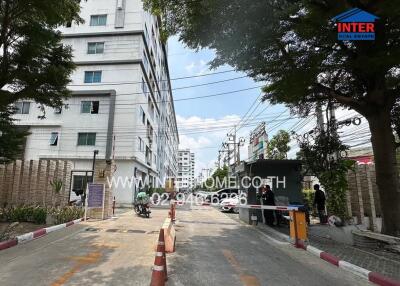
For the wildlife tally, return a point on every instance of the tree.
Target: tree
(324, 155)
(278, 146)
(34, 64)
(220, 175)
(293, 46)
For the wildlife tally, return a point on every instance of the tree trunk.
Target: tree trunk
(387, 176)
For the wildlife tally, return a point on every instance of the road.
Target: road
(212, 249)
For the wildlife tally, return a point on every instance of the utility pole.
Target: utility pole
(235, 147)
(320, 117)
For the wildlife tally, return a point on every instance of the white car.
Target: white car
(230, 204)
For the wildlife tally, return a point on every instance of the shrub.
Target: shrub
(66, 214)
(39, 215)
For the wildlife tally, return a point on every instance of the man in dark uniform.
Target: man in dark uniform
(319, 202)
(268, 198)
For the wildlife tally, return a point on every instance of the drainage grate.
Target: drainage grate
(135, 231)
(92, 229)
(152, 232)
(206, 222)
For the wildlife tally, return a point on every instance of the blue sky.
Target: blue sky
(204, 123)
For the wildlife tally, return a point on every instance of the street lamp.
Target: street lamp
(95, 153)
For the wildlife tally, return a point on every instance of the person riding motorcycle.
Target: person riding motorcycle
(142, 201)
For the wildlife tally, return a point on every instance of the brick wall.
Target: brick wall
(28, 182)
(363, 197)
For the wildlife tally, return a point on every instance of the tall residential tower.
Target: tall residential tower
(121, 102)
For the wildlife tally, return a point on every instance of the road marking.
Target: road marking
(81, 261)
(247, 280)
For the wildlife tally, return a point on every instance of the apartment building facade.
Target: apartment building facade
(186, 166)
(121, 104)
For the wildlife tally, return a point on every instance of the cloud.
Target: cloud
(197, 68)
(192, 143)
(204, 136)
(190, 67)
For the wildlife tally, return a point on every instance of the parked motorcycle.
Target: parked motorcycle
(142, 209)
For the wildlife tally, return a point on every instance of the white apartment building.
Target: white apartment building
(121, 102)
(186, 165)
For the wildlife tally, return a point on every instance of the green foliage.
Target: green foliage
(38, 215)
(159, 191)
(66, 214)
(308, 196)
(219, 175)
(34, 64)
(323, 158)
(278, 146)
(12, 138)
(57, 185)
(24, 214)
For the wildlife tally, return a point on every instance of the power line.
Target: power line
(177, 88)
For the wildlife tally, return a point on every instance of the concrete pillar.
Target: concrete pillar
(371, 199)
(359, 194)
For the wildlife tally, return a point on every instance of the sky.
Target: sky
(203, 123)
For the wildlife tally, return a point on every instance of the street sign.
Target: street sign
(95, 194)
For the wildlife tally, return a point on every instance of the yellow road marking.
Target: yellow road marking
(247, 280)
(81, 261)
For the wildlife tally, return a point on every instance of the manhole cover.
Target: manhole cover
(92, 229)
(153, 232)
(135, 231)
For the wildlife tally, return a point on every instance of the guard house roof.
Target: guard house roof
(355, 15)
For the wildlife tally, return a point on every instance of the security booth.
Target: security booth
(283, 176)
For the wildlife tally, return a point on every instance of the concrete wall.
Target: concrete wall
(363, 201)
(28, 182)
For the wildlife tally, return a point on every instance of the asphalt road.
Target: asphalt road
(212, 249)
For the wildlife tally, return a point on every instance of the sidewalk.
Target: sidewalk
(381, 261)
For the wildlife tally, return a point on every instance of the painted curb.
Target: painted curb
(382, 280)
(373, 277)
(8, 244)
(35, 234)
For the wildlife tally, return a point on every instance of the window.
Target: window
(141, 144)
(80, 182)
(68, 24)
(54, 139)
(144, 87)
(142, 116)
(92, 76)
(86, 139)
(91, 107)
(57, 110)
(145, 61)
(96, 48)
(22, 107)
(98, 20)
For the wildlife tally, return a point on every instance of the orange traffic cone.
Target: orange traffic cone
(159, 274)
